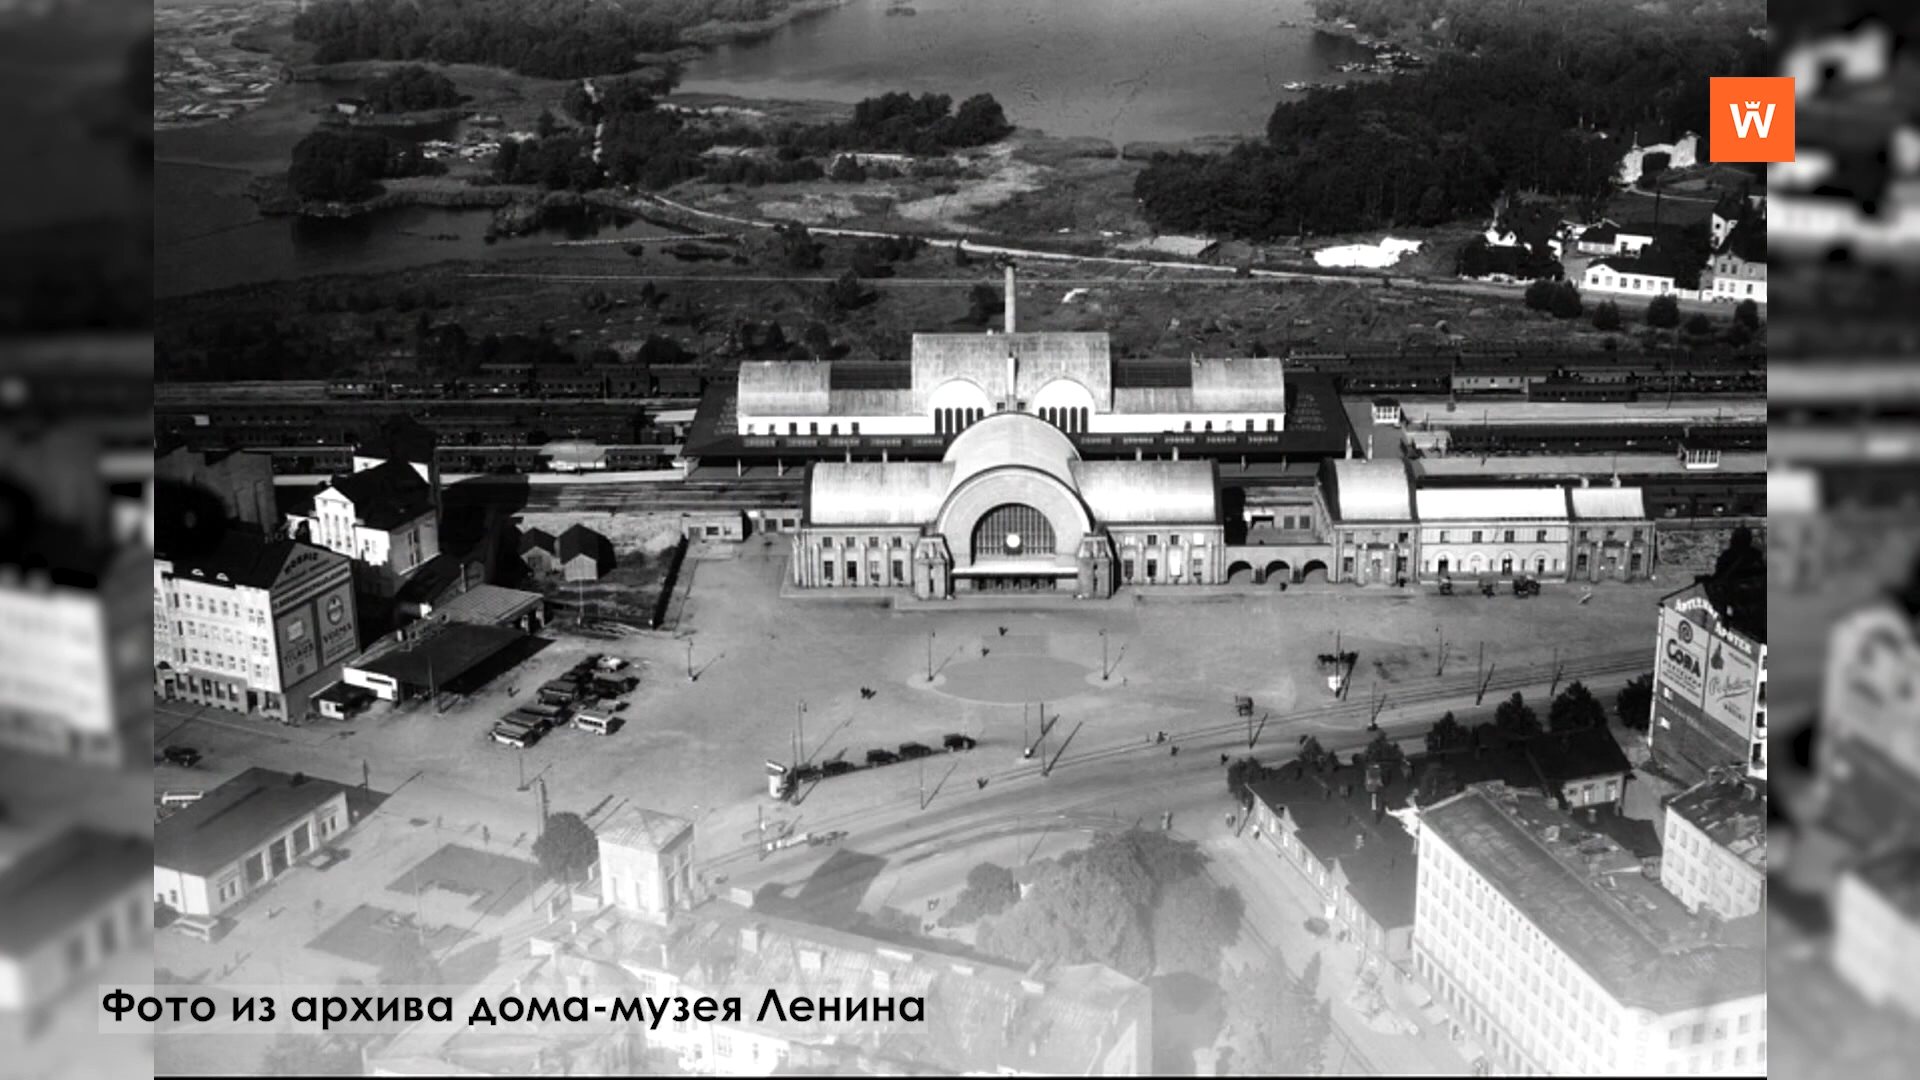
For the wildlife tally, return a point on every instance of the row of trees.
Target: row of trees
(556, 39)
(1562, 301)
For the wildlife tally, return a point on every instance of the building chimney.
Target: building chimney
(1010, 299)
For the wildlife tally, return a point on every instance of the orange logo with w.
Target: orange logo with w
(1752, 119)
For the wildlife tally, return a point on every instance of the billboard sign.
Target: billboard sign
(1732, 679)
(1682, 662)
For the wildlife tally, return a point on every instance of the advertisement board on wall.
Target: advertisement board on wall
(1732, 678)
(1681, 666)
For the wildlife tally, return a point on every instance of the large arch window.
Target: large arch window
(1013, 530)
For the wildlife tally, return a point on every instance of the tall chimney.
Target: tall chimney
(1009, 299)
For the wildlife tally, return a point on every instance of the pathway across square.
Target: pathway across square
(494, 883)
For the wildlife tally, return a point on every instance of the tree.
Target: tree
(545, 125)
(1514, 717)
(1446, 734)
(1089, 907)
(1564, 302)
(1634, 703)
(1314, 756)
(847, 293)
(1576, 709)
(1383, 751)
(1193, 921)
(1540, 295)
(818, 340)
(1663, 312)
(1698, 325)
(567, 847)
(1275, 1025)
(990, 890)
(984, 304)
(799, 247)
(1747, 313)
(1606, 316)
(1242, 772)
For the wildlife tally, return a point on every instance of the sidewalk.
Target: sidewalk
(1278, 905)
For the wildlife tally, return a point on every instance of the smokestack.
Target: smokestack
(1009, 299)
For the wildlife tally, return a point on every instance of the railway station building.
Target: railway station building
(1011, 507)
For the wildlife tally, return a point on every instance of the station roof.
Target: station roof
(1608, 503)
(1372, 490)
(1491, 504)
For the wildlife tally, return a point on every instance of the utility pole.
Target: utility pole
(1104, 670)
(1440, 666)
(1554, 689)
(930, 655)
(800, 732)
(690, 675)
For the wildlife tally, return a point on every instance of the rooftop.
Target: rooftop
(1590, 897)
(636, 827)
(1491, 504)
(489, 605)
(46, 886)
(1564, 756)
(1372, 490)
(1732, 811)
(387, 496)
(236, 558)
(1339, 820)
(1608, 503)
(440, 657)
(235, 818)
(579, 540)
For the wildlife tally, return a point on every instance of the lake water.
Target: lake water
(209, 235)
(1122, 70)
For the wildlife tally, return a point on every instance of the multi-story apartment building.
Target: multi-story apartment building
(1555, 952)
(1714, 847)
(239, 625)
(1709, 675)
(1876, 920)
(73, 654)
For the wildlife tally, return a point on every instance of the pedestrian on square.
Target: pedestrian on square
(486, 834)
(980, 783)
(1174, 751)
(1223, 759)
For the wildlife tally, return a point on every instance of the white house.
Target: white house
(74, 900)
(240, 838)
(1629, 276)
(382, 516)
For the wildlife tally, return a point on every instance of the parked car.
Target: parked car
(517, 734)
(806, 774)
(911, 750)
(184, 756)
(597, 723)
(959, 742)
(610, 663)
(174, 800)
(836, 768)
(1525, 586)
(882, 757)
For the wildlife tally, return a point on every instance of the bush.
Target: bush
(1699, 325)
(1663, 312)
(1565, 303)
(1747, 313)
(1634, 704)
(567, 847)
(1540, 295)
(1606, 316)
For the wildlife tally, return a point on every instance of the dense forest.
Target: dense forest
(554, 39)
(411, 89)
(1524, 101)
(656, 148)
(347, 166)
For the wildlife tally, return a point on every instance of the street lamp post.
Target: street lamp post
(1103, 655)
(690, 675)
(930, 655)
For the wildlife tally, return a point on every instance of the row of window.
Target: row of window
(222, 608)
(872, 541)
(107, 934)
(220, 635)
